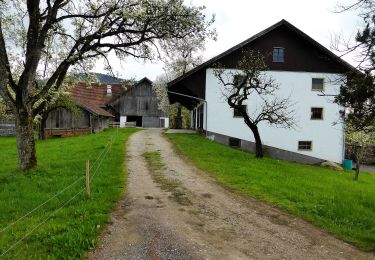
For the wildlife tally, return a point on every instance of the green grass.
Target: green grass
(74, 229)
(156, 166)
(330, 199)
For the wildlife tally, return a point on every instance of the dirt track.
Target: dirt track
(218, 224)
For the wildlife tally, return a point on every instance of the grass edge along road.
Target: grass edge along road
(46, 213)
(329, 199)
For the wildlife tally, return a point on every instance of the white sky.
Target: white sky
(237, 20)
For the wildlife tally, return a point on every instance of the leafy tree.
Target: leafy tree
(41, 41)
(358, 89)
(4, 111)
(250, 82)
(180, 57)
(359, 143)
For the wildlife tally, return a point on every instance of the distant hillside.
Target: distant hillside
(106, 79)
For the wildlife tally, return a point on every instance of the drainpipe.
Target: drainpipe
(200, 99)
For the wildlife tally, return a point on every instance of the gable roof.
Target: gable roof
(283, 22)
(93, 97)
(115, 100)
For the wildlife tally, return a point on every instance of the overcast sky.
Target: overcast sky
(237, 20)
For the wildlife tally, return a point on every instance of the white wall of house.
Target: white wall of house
(327, 139)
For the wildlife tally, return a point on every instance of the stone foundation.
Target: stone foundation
(48, 133)
(268, 150)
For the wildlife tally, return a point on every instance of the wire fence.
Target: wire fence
(94, 167)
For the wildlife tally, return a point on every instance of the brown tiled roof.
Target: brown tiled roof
(93, 97)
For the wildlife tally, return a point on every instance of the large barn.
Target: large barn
(101, 104)
(94, 116)
(140, 104)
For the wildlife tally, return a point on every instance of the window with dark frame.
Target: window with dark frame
(305, 145)
(278, 54)
(234, 142)
(237, 113)
(317, 113)
(317, 84)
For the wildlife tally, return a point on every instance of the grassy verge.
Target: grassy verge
(72, 230)
(330, 199)
(173, 186)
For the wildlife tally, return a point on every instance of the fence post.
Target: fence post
(88, 177)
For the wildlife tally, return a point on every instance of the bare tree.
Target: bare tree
(248, 82)
(40, 41)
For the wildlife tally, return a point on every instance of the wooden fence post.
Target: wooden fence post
(88, 177)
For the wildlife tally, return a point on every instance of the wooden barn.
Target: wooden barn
(139, 105)
(94, 116)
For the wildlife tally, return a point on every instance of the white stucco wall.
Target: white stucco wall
(327, 140)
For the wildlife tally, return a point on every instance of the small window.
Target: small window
(237, 113)
(234, 142)
(317, 84)
(278, 54)
(316, 113)
(305, 145)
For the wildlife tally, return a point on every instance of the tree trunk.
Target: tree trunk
(258, 143)
(357, 166)
(43, 123)
(25, 140)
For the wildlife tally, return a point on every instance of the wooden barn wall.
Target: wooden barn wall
(149, 121)
(100, 123)
(139, 101)
(64, 119)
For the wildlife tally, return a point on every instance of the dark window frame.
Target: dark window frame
(315, 84)
(305, 145)
(312, 113)
(236, 113)
(278, 54)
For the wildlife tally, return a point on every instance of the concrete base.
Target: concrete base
(268, 150)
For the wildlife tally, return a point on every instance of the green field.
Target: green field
(68, 224)
(330, 199)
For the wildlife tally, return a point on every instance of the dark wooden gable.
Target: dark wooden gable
(139, 100)
(302, 53)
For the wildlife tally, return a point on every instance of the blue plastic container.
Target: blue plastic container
(348, 164)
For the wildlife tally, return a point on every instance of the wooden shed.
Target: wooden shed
(94, 116)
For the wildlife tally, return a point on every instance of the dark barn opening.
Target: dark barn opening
(136, 119)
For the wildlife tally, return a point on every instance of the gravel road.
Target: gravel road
(149, 223)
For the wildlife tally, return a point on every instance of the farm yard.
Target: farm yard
(170, 208)
(173, 210)
(68, 222)
(199, 142)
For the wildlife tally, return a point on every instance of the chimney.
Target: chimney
(109, 90)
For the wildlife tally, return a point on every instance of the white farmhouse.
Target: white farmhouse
(302, 67)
